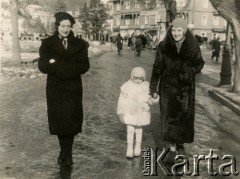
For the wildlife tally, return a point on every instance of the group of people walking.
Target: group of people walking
(64, 58)
(134, 43)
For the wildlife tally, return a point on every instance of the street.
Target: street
(29, 152)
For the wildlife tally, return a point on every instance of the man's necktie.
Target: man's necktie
(64, 41)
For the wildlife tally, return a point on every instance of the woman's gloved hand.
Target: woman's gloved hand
(155, 100)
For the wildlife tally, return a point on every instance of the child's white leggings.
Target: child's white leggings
(130, 134)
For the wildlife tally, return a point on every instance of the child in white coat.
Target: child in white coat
(133, 108)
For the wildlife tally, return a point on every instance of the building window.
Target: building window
(127, 4)
(136, 4)
(118, 7)
(122, 5)
(215, 20)
(205, 3)
(204, 20)
(137, 19)
(118, 21)
(111, 8)
(146, 19)
(127, 21)
(151, 19)
(181, 3)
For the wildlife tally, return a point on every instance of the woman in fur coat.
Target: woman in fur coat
(178, 59)
(133, 108)
(64, 58)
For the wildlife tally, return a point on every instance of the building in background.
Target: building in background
(36, 12)
(203, 19)
(130, 16)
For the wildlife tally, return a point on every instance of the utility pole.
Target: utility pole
(226, 68)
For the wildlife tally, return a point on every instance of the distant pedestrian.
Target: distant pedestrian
(144, 40)
(130, 43)
(178, 60)
(103, 39)
(133, 109)
(119, 42)
(138, 45)
(64, 58)
(216, 48)
(133, 42)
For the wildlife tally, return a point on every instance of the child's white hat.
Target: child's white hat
(138, 72)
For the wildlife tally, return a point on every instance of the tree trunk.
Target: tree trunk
(16, 58)
(171, 10)
(228, 10)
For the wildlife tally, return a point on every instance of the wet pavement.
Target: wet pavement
(29, 152)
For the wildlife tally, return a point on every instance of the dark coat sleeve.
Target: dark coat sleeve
(65, 67)
(43, 63)
(188, 72)
(156, 71)
(66, 70)
(198, 62)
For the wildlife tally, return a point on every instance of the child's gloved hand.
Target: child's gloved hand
(121, 117)
(145, 107)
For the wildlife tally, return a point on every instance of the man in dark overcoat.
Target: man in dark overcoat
(178, 59)
(138, 45)
(64, 58)
(119, 41)
(216, 48)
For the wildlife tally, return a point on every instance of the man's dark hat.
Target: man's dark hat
(64, 15)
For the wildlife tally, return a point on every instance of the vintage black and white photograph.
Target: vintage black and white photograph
(120, 89)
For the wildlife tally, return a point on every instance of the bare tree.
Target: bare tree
(16, 58)
(17, 8)
(170, 5)
(185, 6)
(230, 10)
(171, 10)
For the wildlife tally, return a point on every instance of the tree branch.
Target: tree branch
(185, 7)
(226, 9)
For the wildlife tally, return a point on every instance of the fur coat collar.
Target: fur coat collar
(189, 48)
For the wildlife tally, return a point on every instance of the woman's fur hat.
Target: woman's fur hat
(179, 22)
